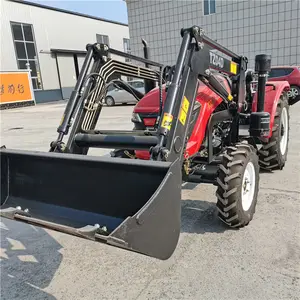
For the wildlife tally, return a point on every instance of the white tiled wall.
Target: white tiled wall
(247, 27)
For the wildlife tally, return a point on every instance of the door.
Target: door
(67, 74)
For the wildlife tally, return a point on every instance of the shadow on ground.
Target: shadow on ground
(200, 216)
(29, 259)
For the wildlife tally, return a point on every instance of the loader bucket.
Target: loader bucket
(132, 204)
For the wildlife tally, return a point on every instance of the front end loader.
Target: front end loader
(134, 203)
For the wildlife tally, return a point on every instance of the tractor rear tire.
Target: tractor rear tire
(273, 154)
(238, 185)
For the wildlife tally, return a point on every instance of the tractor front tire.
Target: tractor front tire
(238, 185)
(273, 154)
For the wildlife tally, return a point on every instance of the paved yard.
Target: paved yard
(259, 262)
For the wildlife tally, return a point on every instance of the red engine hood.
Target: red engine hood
(150, 102)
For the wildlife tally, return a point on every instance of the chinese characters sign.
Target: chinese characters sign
(15, 87)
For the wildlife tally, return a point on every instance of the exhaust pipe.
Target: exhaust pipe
(260, 120)
(149, 85)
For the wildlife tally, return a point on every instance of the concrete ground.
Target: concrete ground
(259, 262)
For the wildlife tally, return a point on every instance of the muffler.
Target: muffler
(133, 204)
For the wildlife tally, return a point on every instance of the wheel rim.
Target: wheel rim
(248, 186)
(284, 131)
(293, 93)
(109, 101)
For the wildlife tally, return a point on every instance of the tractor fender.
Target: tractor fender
(209, 102)
(273, 92)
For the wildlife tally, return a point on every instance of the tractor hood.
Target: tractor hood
(150, 102)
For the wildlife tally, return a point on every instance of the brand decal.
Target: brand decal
(216, 60)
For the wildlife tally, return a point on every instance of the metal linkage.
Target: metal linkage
(105, 72)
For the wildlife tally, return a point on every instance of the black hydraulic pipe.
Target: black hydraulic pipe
(199, 179)
(115, 141)
(214, 82)
(121, 132)
(72, 103)
(209, 171)
(133, 57)
(129, 89)
(262, 67)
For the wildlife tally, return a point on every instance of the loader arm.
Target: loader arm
(67, 190)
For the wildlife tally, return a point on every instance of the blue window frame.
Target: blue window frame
(209, 7)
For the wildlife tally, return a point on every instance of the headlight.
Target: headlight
(136, 118)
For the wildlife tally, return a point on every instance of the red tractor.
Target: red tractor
(272, 148)
(203, 124)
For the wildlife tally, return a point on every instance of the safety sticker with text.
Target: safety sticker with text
(167, 121)
(184, 110)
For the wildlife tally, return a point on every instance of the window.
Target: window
(279, 72)
(26, 51)
(126, 46)
(102, 39)
(137, 84)
(209, 7)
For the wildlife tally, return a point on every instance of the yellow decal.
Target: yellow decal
(184, 110)
(233, 67)
(182, 117)
(185, 104)
(229, 97)
(167, 121)
(62, 119)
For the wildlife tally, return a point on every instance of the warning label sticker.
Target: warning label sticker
(233, 67)
(167, 121)
(184, 110)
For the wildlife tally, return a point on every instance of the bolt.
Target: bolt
(26, 210)
(97, 226)
(200, 45)
(18, 208)
(207, 72)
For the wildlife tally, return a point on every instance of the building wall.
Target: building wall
(53, 29)
(246, 27)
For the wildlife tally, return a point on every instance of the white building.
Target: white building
(53, 42)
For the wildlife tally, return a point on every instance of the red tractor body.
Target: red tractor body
(147, 110)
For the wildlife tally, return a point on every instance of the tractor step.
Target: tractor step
(204, 174)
